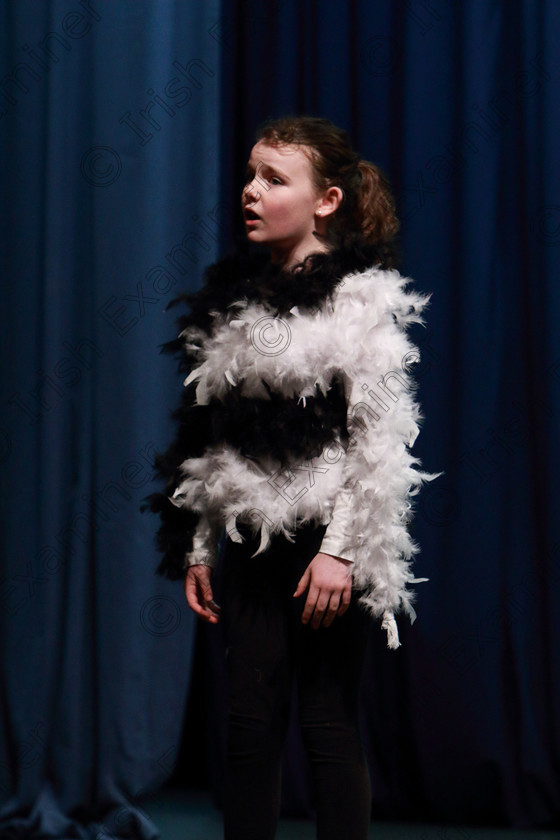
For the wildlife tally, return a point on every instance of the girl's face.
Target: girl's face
(280, 203)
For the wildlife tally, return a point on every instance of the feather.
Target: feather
(390, 626)
(310, 414)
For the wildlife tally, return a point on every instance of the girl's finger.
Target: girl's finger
(310, 603)
(214, 606)
(195, 590)
(345, 600)
(320, 608)
(333, 609)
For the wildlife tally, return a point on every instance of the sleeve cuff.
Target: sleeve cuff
(205, 545)
(338, 536)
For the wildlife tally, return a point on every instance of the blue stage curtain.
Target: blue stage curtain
(124, 130)
(110, 127)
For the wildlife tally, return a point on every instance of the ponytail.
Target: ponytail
(375, 207)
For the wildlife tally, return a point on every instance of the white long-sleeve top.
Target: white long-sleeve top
(363, 491)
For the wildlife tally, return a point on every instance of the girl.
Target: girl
(294, 433)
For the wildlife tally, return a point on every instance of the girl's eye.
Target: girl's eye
(275, 180)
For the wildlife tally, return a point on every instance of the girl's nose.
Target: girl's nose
(250, 191)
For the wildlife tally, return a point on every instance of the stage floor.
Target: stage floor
(184, 815)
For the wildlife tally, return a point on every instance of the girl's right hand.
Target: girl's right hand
(198, 591)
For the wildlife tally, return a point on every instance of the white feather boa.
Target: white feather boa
(364, 493)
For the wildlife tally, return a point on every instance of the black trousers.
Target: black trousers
(266, 647)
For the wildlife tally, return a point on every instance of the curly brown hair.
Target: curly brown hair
(368, 206)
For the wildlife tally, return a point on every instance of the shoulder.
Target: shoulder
(378, 293)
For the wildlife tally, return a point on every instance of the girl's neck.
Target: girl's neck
(287, 261)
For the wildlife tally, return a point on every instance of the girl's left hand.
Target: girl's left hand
(329, 581)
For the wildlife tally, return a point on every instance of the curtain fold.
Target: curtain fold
(110, 138)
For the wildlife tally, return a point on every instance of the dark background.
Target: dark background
(125, 126)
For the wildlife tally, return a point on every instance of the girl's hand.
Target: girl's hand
(199, 593)
(329, 582)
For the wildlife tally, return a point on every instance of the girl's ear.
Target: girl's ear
(329, 202)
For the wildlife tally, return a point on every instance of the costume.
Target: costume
(299, 407)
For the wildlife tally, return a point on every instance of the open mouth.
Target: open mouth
(250, 215)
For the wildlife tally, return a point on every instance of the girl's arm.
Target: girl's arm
(374, 506)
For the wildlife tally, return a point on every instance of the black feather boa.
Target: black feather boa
(275, 427)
